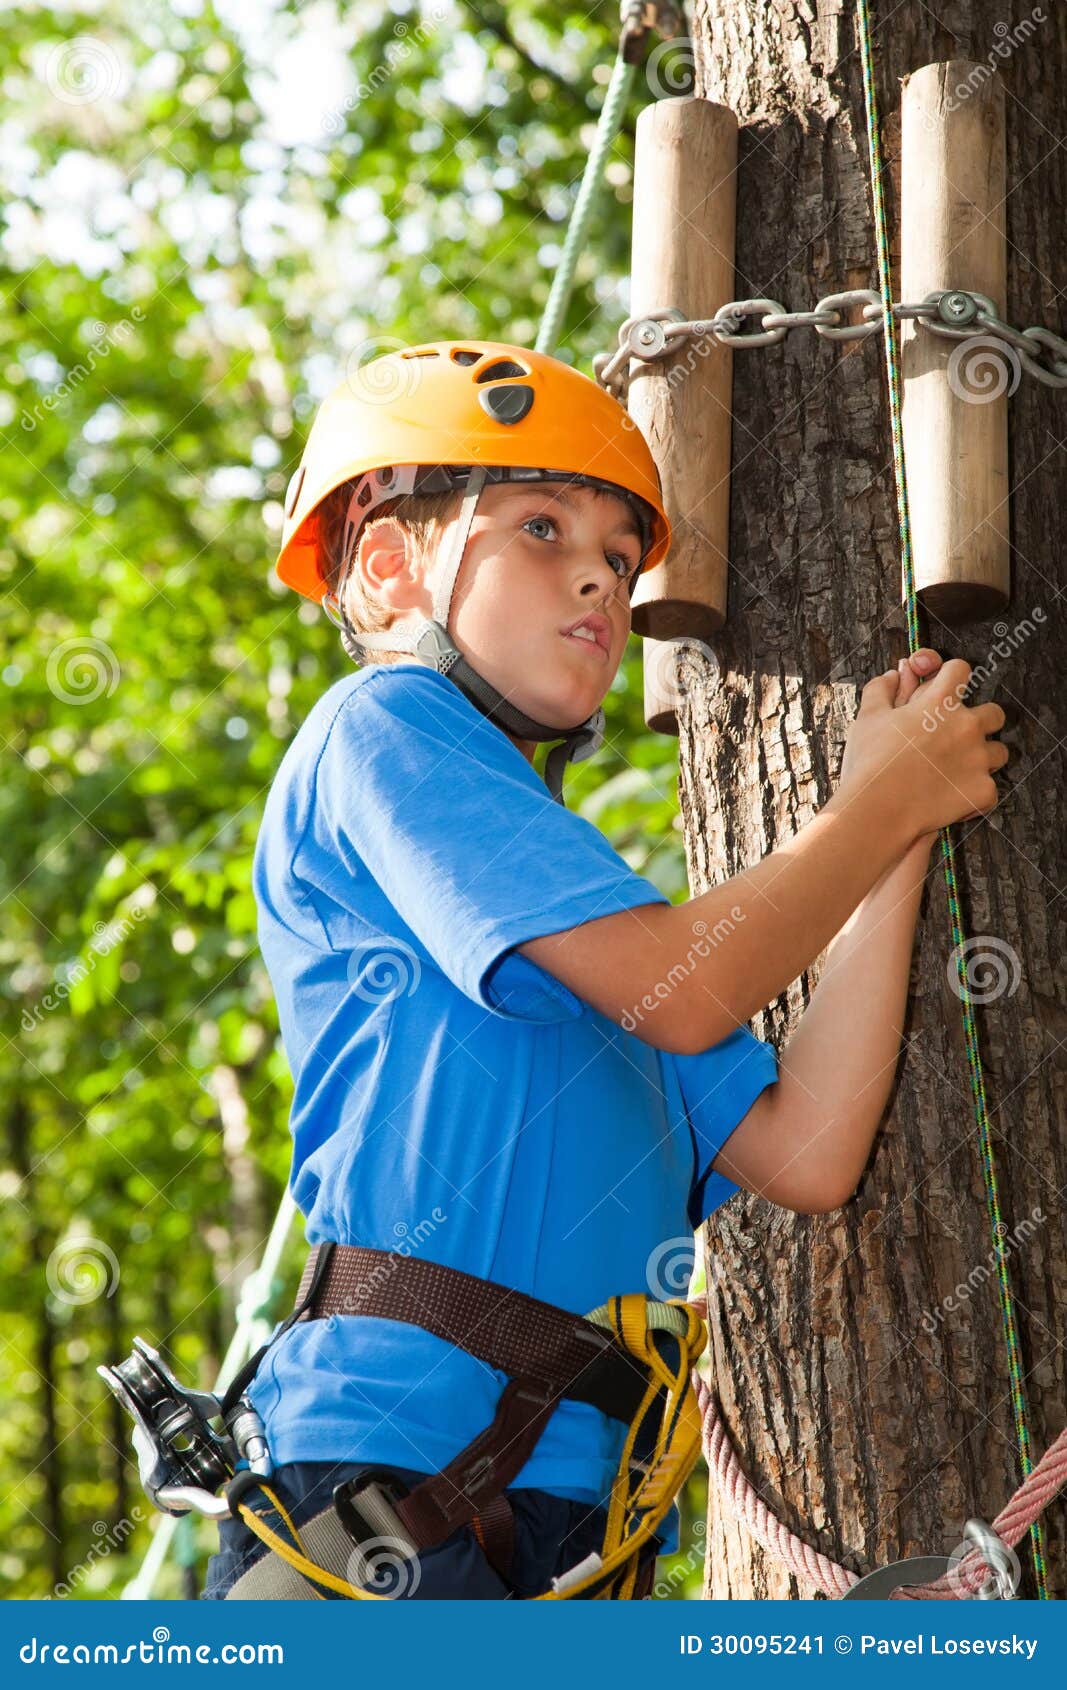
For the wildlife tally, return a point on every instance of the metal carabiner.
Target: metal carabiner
(1003, 1563)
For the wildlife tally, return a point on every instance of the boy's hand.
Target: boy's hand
(913, 670)
(924, 749)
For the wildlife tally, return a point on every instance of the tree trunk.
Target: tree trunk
(874, 1417)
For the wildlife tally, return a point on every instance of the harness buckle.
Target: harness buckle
(364, 1506)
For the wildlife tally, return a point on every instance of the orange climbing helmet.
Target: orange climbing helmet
(454, 403)
(454, 415)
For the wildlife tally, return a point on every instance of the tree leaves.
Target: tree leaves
(184, 279)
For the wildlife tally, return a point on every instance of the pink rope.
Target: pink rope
(1011, 1524)
(744, 1502)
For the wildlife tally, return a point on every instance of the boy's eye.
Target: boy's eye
(619, 562)
(545, 521)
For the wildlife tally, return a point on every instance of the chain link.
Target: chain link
(954, 313)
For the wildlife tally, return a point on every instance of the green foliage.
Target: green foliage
(193, 247)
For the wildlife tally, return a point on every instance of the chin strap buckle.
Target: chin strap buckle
(588, 738)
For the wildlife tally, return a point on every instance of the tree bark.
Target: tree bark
(872, 1416)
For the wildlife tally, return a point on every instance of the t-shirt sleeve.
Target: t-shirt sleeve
(719, 1087)
(463, 838)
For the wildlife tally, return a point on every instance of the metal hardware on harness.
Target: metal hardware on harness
(1002, 1564)
(880, 1585)
(182, 1458)
(952, 312)
(365, 1509)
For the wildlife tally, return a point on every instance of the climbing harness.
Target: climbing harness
(632, 1358)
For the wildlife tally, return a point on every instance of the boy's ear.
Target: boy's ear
(388, 563)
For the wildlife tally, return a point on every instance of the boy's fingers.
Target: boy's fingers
(880, 691)
(925, 661)
(952, 676)
(919, 667)
(909, 680)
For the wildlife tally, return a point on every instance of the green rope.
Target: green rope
(608, 125)
(970, 1030)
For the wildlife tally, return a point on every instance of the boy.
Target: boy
(455, 957)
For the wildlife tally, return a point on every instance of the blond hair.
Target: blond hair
(424, 516)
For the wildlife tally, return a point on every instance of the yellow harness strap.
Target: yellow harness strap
(642, 1492)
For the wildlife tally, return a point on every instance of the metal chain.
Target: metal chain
(955, 313)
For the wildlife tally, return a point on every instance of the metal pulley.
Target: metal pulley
(187, 1450)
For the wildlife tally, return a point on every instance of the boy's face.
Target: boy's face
(539, 559)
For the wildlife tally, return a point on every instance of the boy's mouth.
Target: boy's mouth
(593, 631)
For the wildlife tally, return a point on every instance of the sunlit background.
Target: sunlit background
(210, 213)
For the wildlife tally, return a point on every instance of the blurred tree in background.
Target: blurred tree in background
(212, 213)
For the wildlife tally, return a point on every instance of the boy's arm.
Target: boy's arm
(684, 976)
(806, 1139)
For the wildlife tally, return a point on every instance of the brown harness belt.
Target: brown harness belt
(547, 1352)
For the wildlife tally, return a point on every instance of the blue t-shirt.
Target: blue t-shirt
(453, 1100)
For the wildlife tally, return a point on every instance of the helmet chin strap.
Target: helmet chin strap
(430, 643)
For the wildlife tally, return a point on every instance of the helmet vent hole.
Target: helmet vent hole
(464, 355)
(420, 355)
(503, 369)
